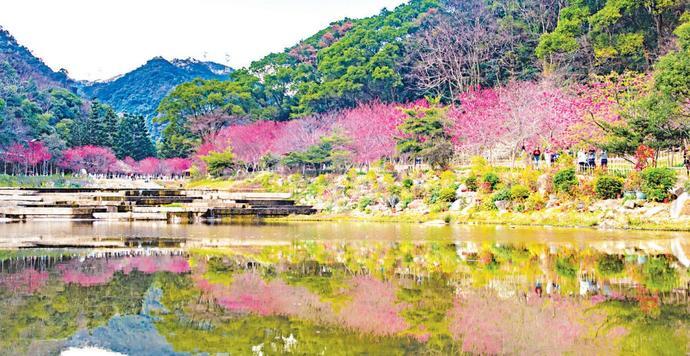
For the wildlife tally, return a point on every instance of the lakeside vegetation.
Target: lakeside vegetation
(378, 118)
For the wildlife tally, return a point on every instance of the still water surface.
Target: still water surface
(340, 288)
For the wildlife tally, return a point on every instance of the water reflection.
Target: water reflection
(333, 296)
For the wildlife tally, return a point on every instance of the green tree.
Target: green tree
(132, 138)
(425, 135)
(220, 163)
(329, 153)
(100, 126)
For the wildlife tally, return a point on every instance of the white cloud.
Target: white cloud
(104, 38)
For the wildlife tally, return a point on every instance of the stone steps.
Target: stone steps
(142, 204)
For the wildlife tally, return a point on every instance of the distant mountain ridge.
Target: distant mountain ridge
(137, 92)
(27, 66)
(141, 90)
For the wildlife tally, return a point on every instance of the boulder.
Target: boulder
(435, 223)
(460, 192)
(418, 206)
(681, 206)
(629, 204)
(580, 206)
(677, 191)
(502, 205)
(543, 183)
(457, 205)
(653, 211)
(552, 203)
(378, 208)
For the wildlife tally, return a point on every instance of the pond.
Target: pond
(340, 288)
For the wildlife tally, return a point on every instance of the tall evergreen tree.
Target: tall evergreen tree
(132, 139)
(101, 126)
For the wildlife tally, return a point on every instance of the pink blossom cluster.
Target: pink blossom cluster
(370, 130)
(27, 154)
(102, 160)
(519, 114)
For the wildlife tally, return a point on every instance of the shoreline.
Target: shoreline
(590, 221)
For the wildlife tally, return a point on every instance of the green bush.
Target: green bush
(492, 179)
(407, 183)
(447, 194)
(219, 163)
(519, 192)
(565, 180)
(364, 202)
(608, 187)
(656, 182)
(471, 183)
(503, 194)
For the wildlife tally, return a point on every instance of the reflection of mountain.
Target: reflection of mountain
(129, 335)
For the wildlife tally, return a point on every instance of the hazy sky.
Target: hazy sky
(98, 39)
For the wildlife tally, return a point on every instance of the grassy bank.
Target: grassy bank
(49, 181)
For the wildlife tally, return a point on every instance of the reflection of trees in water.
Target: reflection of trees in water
(509, 269)
(440, 296)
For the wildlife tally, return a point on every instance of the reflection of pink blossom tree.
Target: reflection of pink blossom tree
(373, 308)
(250, 294)
(93, 272)
(487, 324)
(25, 281)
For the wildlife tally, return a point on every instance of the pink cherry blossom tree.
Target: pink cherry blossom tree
(371, 128)
(92, 159)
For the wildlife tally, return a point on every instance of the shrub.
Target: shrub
(491, 179)
(406, 198)
(529, 177)
(503, 194)
(479, 165)
(447, 194)
(364, 202)
(565, 180)
(608, 187)
(519, 192)
(471, 183)
(407, 183)
(656, 182)
(535, 201)
(447, 177)
(633, 181)
(658, 275)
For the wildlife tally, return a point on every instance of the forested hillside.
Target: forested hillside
(441, 49)
(429, 81)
